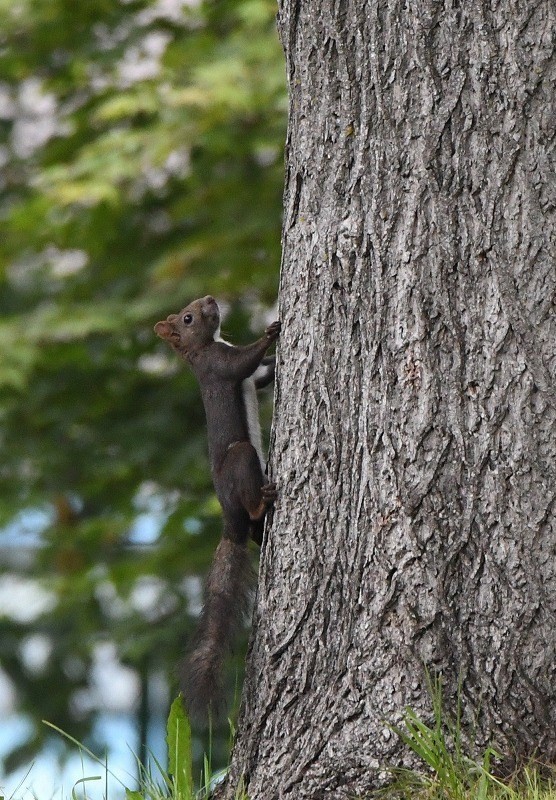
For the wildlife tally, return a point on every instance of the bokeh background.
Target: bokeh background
(141, 166)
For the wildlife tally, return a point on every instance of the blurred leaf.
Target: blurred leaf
(140, 167)
(179, 750)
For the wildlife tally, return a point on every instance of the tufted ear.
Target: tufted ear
(164, 329)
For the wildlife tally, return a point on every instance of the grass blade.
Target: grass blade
(179, 751)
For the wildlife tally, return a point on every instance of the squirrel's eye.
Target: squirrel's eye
(188, 319)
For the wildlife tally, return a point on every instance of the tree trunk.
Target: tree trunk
(413, 441)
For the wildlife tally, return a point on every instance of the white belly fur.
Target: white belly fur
(252, 412)
(251, 409)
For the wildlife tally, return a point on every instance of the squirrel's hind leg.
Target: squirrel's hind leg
(256, 526)
(254, 492)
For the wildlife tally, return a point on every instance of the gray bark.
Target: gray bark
(413, 442)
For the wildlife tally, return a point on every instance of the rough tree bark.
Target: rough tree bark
(413, 441)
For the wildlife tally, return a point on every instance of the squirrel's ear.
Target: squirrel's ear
(164, 329)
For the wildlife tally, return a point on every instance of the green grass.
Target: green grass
(445, 771)
(157, 783)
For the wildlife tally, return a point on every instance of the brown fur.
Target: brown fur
(239, 483)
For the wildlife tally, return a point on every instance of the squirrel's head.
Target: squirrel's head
(194, 326)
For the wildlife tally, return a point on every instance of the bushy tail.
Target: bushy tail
(227, 594)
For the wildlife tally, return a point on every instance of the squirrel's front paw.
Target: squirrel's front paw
(273, 330)
(269, 493)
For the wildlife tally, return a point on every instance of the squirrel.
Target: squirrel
(226, 375)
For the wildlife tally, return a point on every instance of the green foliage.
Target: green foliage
(175, 783)
(447, 772)
(140, 167)
(179, 751)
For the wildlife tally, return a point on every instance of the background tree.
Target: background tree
(140, 166)
(413, 440)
